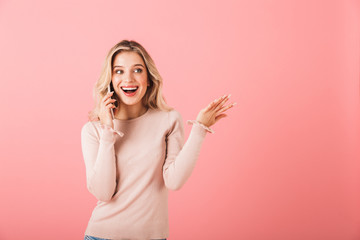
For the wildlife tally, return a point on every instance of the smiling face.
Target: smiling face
(129, 78)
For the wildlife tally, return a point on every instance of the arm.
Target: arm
(181, 158)
(100, 161)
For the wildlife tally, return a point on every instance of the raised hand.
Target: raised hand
(214, 111)
(105, 106)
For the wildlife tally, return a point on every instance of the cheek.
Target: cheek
(115, 81)
(144, 81)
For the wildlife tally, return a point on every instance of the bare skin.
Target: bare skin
(129, 70)
(214, 111)
(207, 116)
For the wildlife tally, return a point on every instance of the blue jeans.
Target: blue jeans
(87, 237)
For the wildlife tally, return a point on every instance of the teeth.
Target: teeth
(125, 88)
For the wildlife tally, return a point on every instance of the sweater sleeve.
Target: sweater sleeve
(181, 158)
(100, 161)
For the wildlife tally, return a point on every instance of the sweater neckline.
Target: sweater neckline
(133, 119)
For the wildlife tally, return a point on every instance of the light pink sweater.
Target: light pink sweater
(130, 168)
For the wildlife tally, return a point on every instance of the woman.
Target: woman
(132, 160)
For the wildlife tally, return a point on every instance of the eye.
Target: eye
(140, 70)
(116, 71)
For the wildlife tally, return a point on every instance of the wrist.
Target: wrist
(208, 129)
(201, 122)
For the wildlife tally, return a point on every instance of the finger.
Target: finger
(108, 95)
(221, 104)
(217, 118)
(210, 106)
(109, 100)
(110, 105)
(224, 108)
(219, 101)
(216, 102)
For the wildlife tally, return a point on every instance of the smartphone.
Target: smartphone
(110, 89)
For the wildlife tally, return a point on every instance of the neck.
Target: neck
(126, 112)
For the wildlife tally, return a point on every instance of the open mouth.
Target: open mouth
(129, 90)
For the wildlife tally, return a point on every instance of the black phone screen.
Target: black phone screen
(112, 90)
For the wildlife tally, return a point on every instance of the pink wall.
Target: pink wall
(283, 165)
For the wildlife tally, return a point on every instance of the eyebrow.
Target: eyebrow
(138, 64)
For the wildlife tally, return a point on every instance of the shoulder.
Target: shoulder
(174, 115)
(90, 128)
(89, 125)
(175, 121)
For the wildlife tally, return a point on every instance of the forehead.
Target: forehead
(127, 59)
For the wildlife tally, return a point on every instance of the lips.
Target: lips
(129, 89)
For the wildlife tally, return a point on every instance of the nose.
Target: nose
(128, 78)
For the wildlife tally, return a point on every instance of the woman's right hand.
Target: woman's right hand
(105, 106)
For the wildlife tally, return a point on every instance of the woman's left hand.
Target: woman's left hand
(214, 111)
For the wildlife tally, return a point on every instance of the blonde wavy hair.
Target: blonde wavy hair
(153, 97)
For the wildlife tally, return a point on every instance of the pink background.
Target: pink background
(283, 165)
